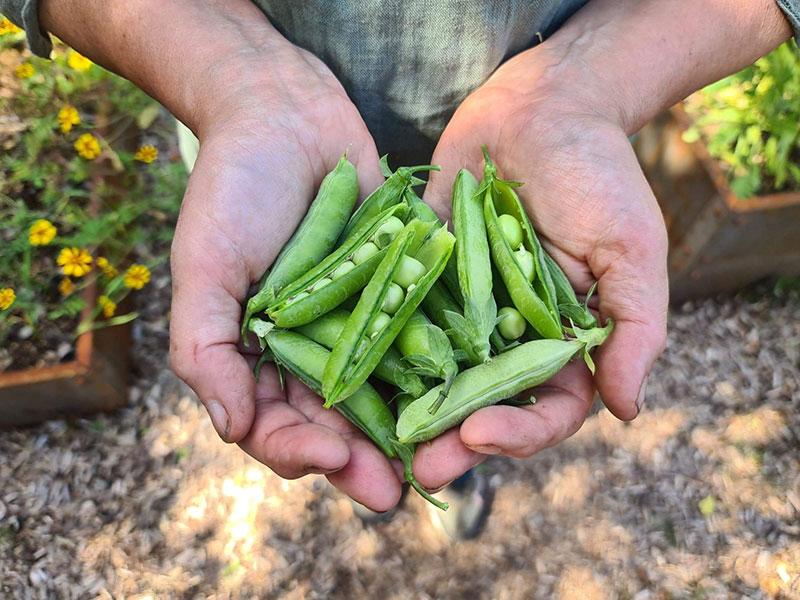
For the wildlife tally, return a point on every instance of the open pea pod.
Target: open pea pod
(391, 192)
(364, 408)
(369, 331)
(313, 239)
(536, 299)
(391, 368)
(306, 298)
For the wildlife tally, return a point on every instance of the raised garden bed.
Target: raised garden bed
(718, 242)
(96, 380)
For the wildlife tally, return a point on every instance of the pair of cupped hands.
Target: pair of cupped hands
(274, 133)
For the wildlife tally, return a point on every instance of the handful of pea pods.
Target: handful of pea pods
(442, 323)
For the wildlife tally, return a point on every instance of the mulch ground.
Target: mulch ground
(697, 498)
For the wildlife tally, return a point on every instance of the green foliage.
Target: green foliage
(111, 205)
(751, 122)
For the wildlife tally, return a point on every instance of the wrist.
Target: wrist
(185, 54)
(630, 59)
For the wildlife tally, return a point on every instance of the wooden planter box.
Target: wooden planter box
(718, 242)
(95, 381)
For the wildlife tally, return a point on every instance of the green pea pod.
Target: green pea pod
(440, 306)
(358, 349)
(503, 299)
(474, 266)
(426, 347)
(313, 239)
(391, 192)
(364, 408)
(568, 304)
(403, 401)
(391, 368)
(534, 300)
(503, 377)
(422, 211)
(287, 310)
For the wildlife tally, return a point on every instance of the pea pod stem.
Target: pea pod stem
(503, 377)
(312, 240)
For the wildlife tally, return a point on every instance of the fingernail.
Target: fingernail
(220, 419)
(440, 488)
(319, 470)
(486, 449)
(640, 398)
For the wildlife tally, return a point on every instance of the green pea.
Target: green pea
(342, 269)
(525, 261)
(512, 324)
(394, 298)
(367, 251)
(511, 229)
(390, 229)
(320, 284)
(408, 272)
(298, 297)
(380, 321)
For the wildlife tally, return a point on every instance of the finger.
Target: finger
(561, 408)
(452, 154)
(203, 346)
(368, 478)
(442, 460)
(633, 291)
(284, 439)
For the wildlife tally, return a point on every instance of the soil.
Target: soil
(49, 345)
(699, 497)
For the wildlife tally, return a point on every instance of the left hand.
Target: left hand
(596, 215)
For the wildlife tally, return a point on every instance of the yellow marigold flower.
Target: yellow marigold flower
(7, 26)
(41, 233)
(146, 153)
(68, 116)
(109, 307)
(66, 287)
(24, 71)
(75, 262)
(7, 297)
(107, 267)
(136, 277)
(78, 61)
(87, 146)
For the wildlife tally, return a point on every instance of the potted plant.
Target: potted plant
(86, 211)
(725, 167)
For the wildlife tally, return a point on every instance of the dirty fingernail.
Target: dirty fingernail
(440, 488)
(219, 418)
(642, 393)
(485, 449)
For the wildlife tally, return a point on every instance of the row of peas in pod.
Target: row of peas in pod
(385, 297)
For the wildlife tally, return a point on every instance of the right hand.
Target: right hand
(277, 126)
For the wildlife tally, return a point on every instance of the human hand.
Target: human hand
(597, 216)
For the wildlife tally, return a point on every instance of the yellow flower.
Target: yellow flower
(68, 116)
(109, 307)
(24, 71)
(66, 287)
(75, 262)
(7, 297)
(146, 153)
(87, 146)
(41, 233)
(78, 61)
(108, 269)
(7, 26)
(136, 277)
